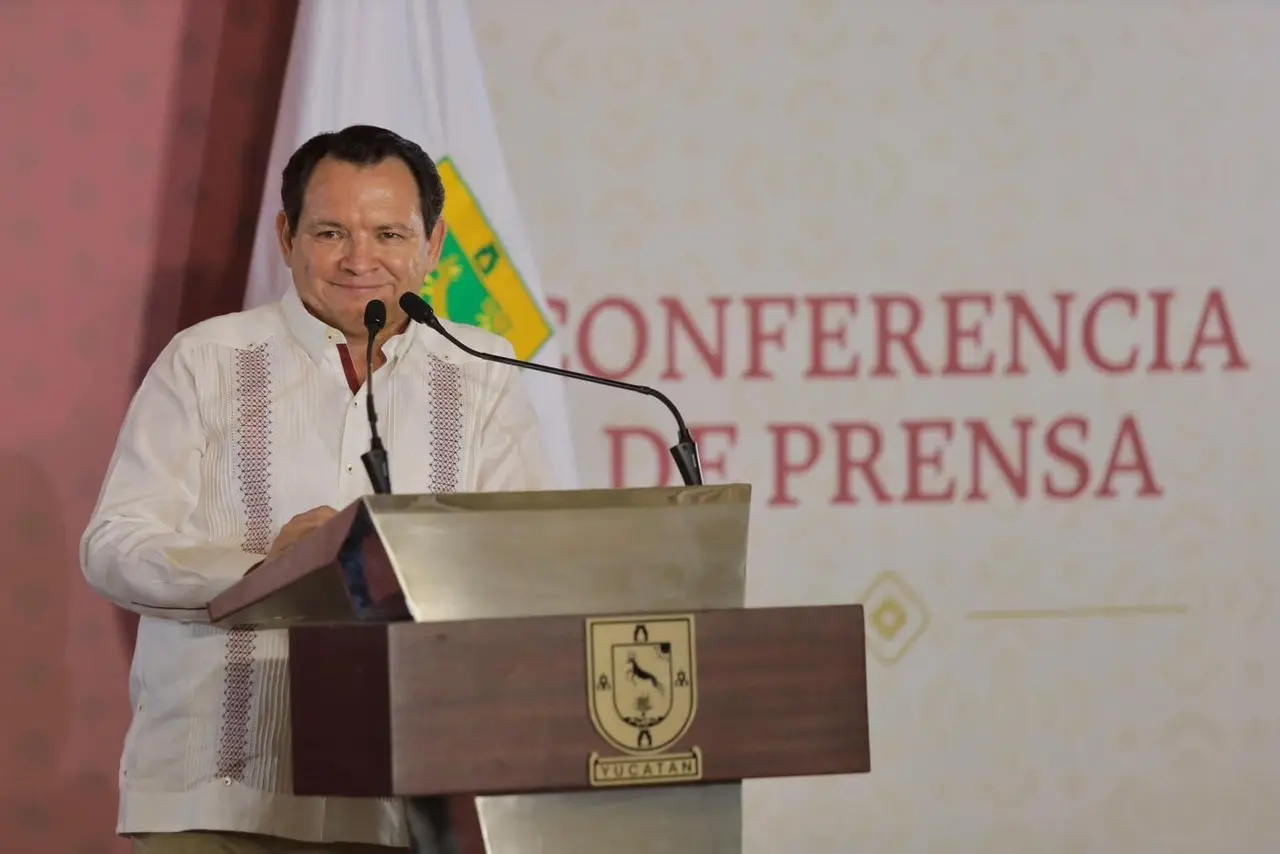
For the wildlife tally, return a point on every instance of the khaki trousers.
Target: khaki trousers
(203, 842)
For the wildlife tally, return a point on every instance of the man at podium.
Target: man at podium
(246, 433)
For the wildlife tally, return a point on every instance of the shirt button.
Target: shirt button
(226, 781)
(350, 467)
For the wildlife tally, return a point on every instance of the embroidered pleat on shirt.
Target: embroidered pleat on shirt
(244, 422)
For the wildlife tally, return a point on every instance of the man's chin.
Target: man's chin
(362, 296)
(355, 299)
(344, 315)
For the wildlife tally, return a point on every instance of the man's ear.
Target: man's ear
(436, 243)
(284, 235)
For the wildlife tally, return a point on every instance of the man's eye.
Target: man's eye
(390, 235)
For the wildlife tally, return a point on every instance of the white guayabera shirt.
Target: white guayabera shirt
(244, 421)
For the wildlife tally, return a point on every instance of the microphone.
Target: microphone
(684, 451)
(375, 459)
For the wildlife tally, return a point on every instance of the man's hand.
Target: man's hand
(299, 526)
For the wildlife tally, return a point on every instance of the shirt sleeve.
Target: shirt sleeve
(133, 551)
(512, 457)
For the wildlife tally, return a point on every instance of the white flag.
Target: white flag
(411, 66)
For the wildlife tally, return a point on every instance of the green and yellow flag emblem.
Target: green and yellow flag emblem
(476, 282)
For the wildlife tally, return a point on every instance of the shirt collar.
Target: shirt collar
(320, 340)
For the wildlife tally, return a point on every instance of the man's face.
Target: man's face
(360, 236)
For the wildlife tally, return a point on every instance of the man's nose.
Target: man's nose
(360, 256)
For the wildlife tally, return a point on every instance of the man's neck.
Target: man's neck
(356, 347)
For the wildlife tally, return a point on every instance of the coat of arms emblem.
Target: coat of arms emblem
(643, 696)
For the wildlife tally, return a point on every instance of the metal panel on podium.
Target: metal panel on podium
(581, 661)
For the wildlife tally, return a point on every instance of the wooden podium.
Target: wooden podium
(579, 661)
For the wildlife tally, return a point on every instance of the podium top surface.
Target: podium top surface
(563, 501)
(504, 554)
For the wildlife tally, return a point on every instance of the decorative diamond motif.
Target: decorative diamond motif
(896, 617)
(889, 619)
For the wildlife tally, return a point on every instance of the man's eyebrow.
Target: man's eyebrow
(384, 226)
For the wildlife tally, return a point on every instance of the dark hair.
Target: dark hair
(361, 145)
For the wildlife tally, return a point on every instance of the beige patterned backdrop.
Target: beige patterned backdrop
(1084, 665)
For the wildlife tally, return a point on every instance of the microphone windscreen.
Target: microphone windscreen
(375, 315)
(416, 308)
